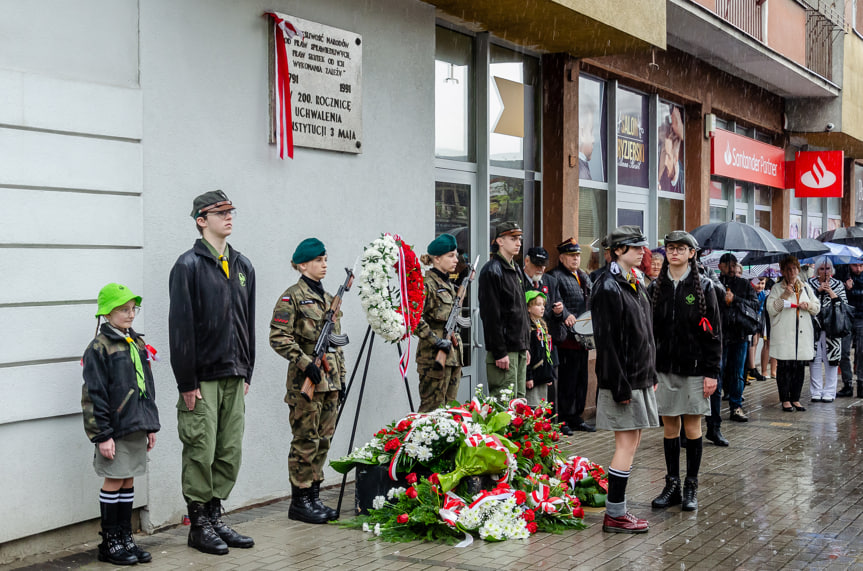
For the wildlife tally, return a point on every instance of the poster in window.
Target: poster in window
(631, 139)
(591, 129)
(858, 193)
(670, 152)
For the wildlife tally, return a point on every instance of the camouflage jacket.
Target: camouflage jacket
(112, 404)
(439, 297)
(297, 321)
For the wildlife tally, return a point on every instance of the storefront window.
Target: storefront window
(858, 193)
(454, 96)
(592, 148)
(795, 226)
(592, 225)
(506, 202)
(670, 152)
(514, 84)
(814, 226)
(763, 196)
(632, 155)
(670, 216)
(762, 219)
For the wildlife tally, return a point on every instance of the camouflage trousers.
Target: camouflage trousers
(437, 386)
(312, 425)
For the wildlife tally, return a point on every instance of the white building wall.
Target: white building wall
(71, 185)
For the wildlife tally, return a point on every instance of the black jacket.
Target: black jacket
(211, 322)
(623, 330)
(683, 347)
(549, 286)
(110, 397)
(541, 368)
(575, 294)
(744, 293)
(502, 308)
(855, 294)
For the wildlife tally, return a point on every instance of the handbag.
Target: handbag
(835, 319)
(746, 319)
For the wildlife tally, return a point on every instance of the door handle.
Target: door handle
(474, 328)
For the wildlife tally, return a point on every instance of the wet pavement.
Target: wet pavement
(785, 495)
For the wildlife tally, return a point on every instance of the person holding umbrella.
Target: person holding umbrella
(828, 351)
(790, 305)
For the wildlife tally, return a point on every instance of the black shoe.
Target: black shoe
(715, 436)
(129, 541)
(816, 400)
(846, 391)
(113, 548)
(800, 407)
(670, 495)
(565, 430)
(331, 514)
(303, 508)
(788, 409)
(228, 535)
(756, 375)
(737, 415)
(690, 499)
(584, 427)
(202, 536)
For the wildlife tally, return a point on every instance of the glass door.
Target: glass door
(454, 214)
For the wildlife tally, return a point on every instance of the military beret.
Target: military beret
(626, 236)
(538, 255)
(681, 237)
(212, 201)
(308, 250)
(532, 294)
(568, 246)
(508, 228)
(442, 244)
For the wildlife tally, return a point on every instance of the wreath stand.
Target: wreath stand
(370, 339)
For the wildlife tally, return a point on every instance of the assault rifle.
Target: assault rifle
(327, 338)
(455, 321)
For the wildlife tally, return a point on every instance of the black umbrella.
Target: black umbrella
(800, 248)
(850, 235)
(738, 237)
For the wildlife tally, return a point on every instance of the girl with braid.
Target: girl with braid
(686, 325)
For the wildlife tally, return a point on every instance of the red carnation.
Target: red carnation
(546, 426)
(537, 468)
(403, 425)
(528, 515)
(517, 421)
(392, 445)
(578, 512)
(433, 479)
(411, 478)
(527, 453)
(404, 518)
(538, 413)
(411, 493)
(457, 418)
(532, 527)
(545, 451)
(519, 408)
(555, 436)
(520, 497)
(537, 427)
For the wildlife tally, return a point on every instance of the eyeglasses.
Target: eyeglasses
(677, 249)
(128, 310)
(223, 213)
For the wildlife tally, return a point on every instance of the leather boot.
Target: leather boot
(846, 391)
(228, 535)
(670, 495)
(690, 500)
(129, 542)
(303, 507)
(860, 389)
(202, 536)
(331, 514)
(715, 436)
(113, 550)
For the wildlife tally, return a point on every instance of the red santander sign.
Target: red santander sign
(741, 158)
(819, 173)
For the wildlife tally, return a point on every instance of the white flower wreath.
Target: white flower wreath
(378, 268)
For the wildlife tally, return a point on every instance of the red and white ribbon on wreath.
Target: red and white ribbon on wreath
(451, 509)
(540, 499)
(284, 30)
(483, 409)
(499, 493)
(404, 300)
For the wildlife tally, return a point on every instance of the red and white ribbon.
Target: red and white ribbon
(451, 508)
(284, 30)
(541, 499)
(489, 495)
(404, 301)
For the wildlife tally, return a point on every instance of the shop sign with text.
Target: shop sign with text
(741, 158)
(819, 173)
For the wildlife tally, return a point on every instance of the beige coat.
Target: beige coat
(791, 334)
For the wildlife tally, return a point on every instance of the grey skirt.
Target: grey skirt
(639, 413)
(679, 394)
(130, 458)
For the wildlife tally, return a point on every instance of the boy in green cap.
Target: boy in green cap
(296, 325)
(120, 417)
(211, 325)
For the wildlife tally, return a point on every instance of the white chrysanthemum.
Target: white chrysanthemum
(378, 502)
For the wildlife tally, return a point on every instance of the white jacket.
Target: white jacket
(792, 337)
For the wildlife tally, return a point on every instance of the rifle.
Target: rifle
(455, 321)
(327, 338)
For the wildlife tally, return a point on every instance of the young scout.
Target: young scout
(540, 372)
(438, 385)
(120, 417)
(211, 325)
(297, 322)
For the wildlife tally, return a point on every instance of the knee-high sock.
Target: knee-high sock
(108, 502)
(124, 509)
(615, 504)
(672, 456)
(693, 457)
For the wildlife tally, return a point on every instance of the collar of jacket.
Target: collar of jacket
(202, 250)
(109, 332)
(507, 265)
(309, 292)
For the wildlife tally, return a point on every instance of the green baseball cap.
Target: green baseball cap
(112, 296)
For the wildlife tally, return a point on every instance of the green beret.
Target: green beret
(442, 244)
(308, 250)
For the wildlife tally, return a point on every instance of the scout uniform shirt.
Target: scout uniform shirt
(440, 295)
(297, 321)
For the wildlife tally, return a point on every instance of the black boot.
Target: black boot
(228, 535)
(846, 391)
(113, 550)
(714, 434)
(331, 514)
(202, 536)
(860, 389)
(303, 507)
(670, 495)
(690, 489)
(124, 518)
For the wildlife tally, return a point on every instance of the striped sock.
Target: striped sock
(124, 507)
(617, 480)
(108, 505)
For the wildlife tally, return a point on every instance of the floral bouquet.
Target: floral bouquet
(587, 480)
